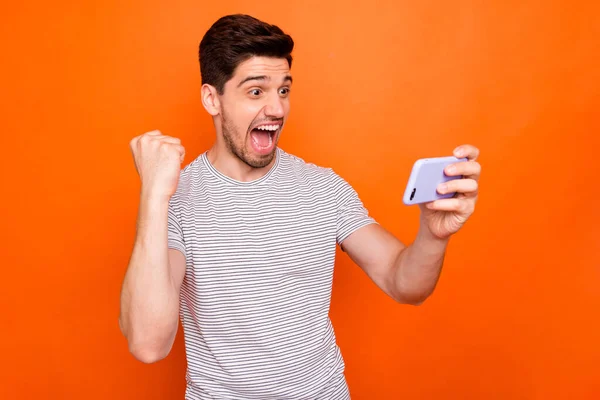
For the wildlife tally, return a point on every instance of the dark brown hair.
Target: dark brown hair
(234, 39)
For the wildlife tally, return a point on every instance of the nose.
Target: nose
(275, 107)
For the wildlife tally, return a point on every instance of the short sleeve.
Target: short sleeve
(175, 231)
(351, 213)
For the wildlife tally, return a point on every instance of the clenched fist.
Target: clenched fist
(158, 161)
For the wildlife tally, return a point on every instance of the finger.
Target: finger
(169, 139)
(154, 133)
(133, 142)
(462, 206)
(468, 169)
(466, 150)
(180, 149)
(466, 186)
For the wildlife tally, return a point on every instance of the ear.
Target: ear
(210, 99)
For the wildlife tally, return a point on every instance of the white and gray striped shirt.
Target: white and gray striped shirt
(255, 299)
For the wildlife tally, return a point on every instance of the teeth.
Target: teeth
(268, 127)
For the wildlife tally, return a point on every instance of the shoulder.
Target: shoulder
(300, 166)
(189, 177)
(320, 176)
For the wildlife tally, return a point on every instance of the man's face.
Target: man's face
(254, 106)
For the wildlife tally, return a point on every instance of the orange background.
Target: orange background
(377, 85)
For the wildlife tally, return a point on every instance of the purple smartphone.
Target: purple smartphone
(425, 177)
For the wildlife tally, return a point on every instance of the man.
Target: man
(240, 244)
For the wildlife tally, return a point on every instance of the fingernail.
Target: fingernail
(451, 169)
(458, 152)
(443, 187)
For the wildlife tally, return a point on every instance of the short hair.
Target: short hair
(234, 39)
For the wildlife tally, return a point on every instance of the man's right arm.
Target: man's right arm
(149, 308)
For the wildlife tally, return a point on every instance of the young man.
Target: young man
(240, 244)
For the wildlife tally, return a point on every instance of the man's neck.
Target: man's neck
(230, 165)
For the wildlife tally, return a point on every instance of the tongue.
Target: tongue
(261, 137)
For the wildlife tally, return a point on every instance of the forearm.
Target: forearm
(149, 298)
(418, 267)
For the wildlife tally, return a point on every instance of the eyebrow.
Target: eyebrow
(287, 78)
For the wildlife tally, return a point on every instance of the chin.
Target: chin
(260, 161)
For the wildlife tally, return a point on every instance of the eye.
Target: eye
(255, 92)
(284, 91)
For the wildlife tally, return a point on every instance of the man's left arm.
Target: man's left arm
(409, 274)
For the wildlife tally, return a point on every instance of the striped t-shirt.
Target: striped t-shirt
(255, 299)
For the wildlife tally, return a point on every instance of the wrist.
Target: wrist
(425, 234)
(153, 197)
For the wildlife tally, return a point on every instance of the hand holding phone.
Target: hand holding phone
(426, 175)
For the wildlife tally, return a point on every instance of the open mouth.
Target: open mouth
(263, 137)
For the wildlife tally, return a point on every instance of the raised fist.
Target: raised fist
(158, 161)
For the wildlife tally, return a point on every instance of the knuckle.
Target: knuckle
(164, 147)
(144, 139)
(470, 207)
(464, 206)
(474, 185)
(154, 142)
(168, 149)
